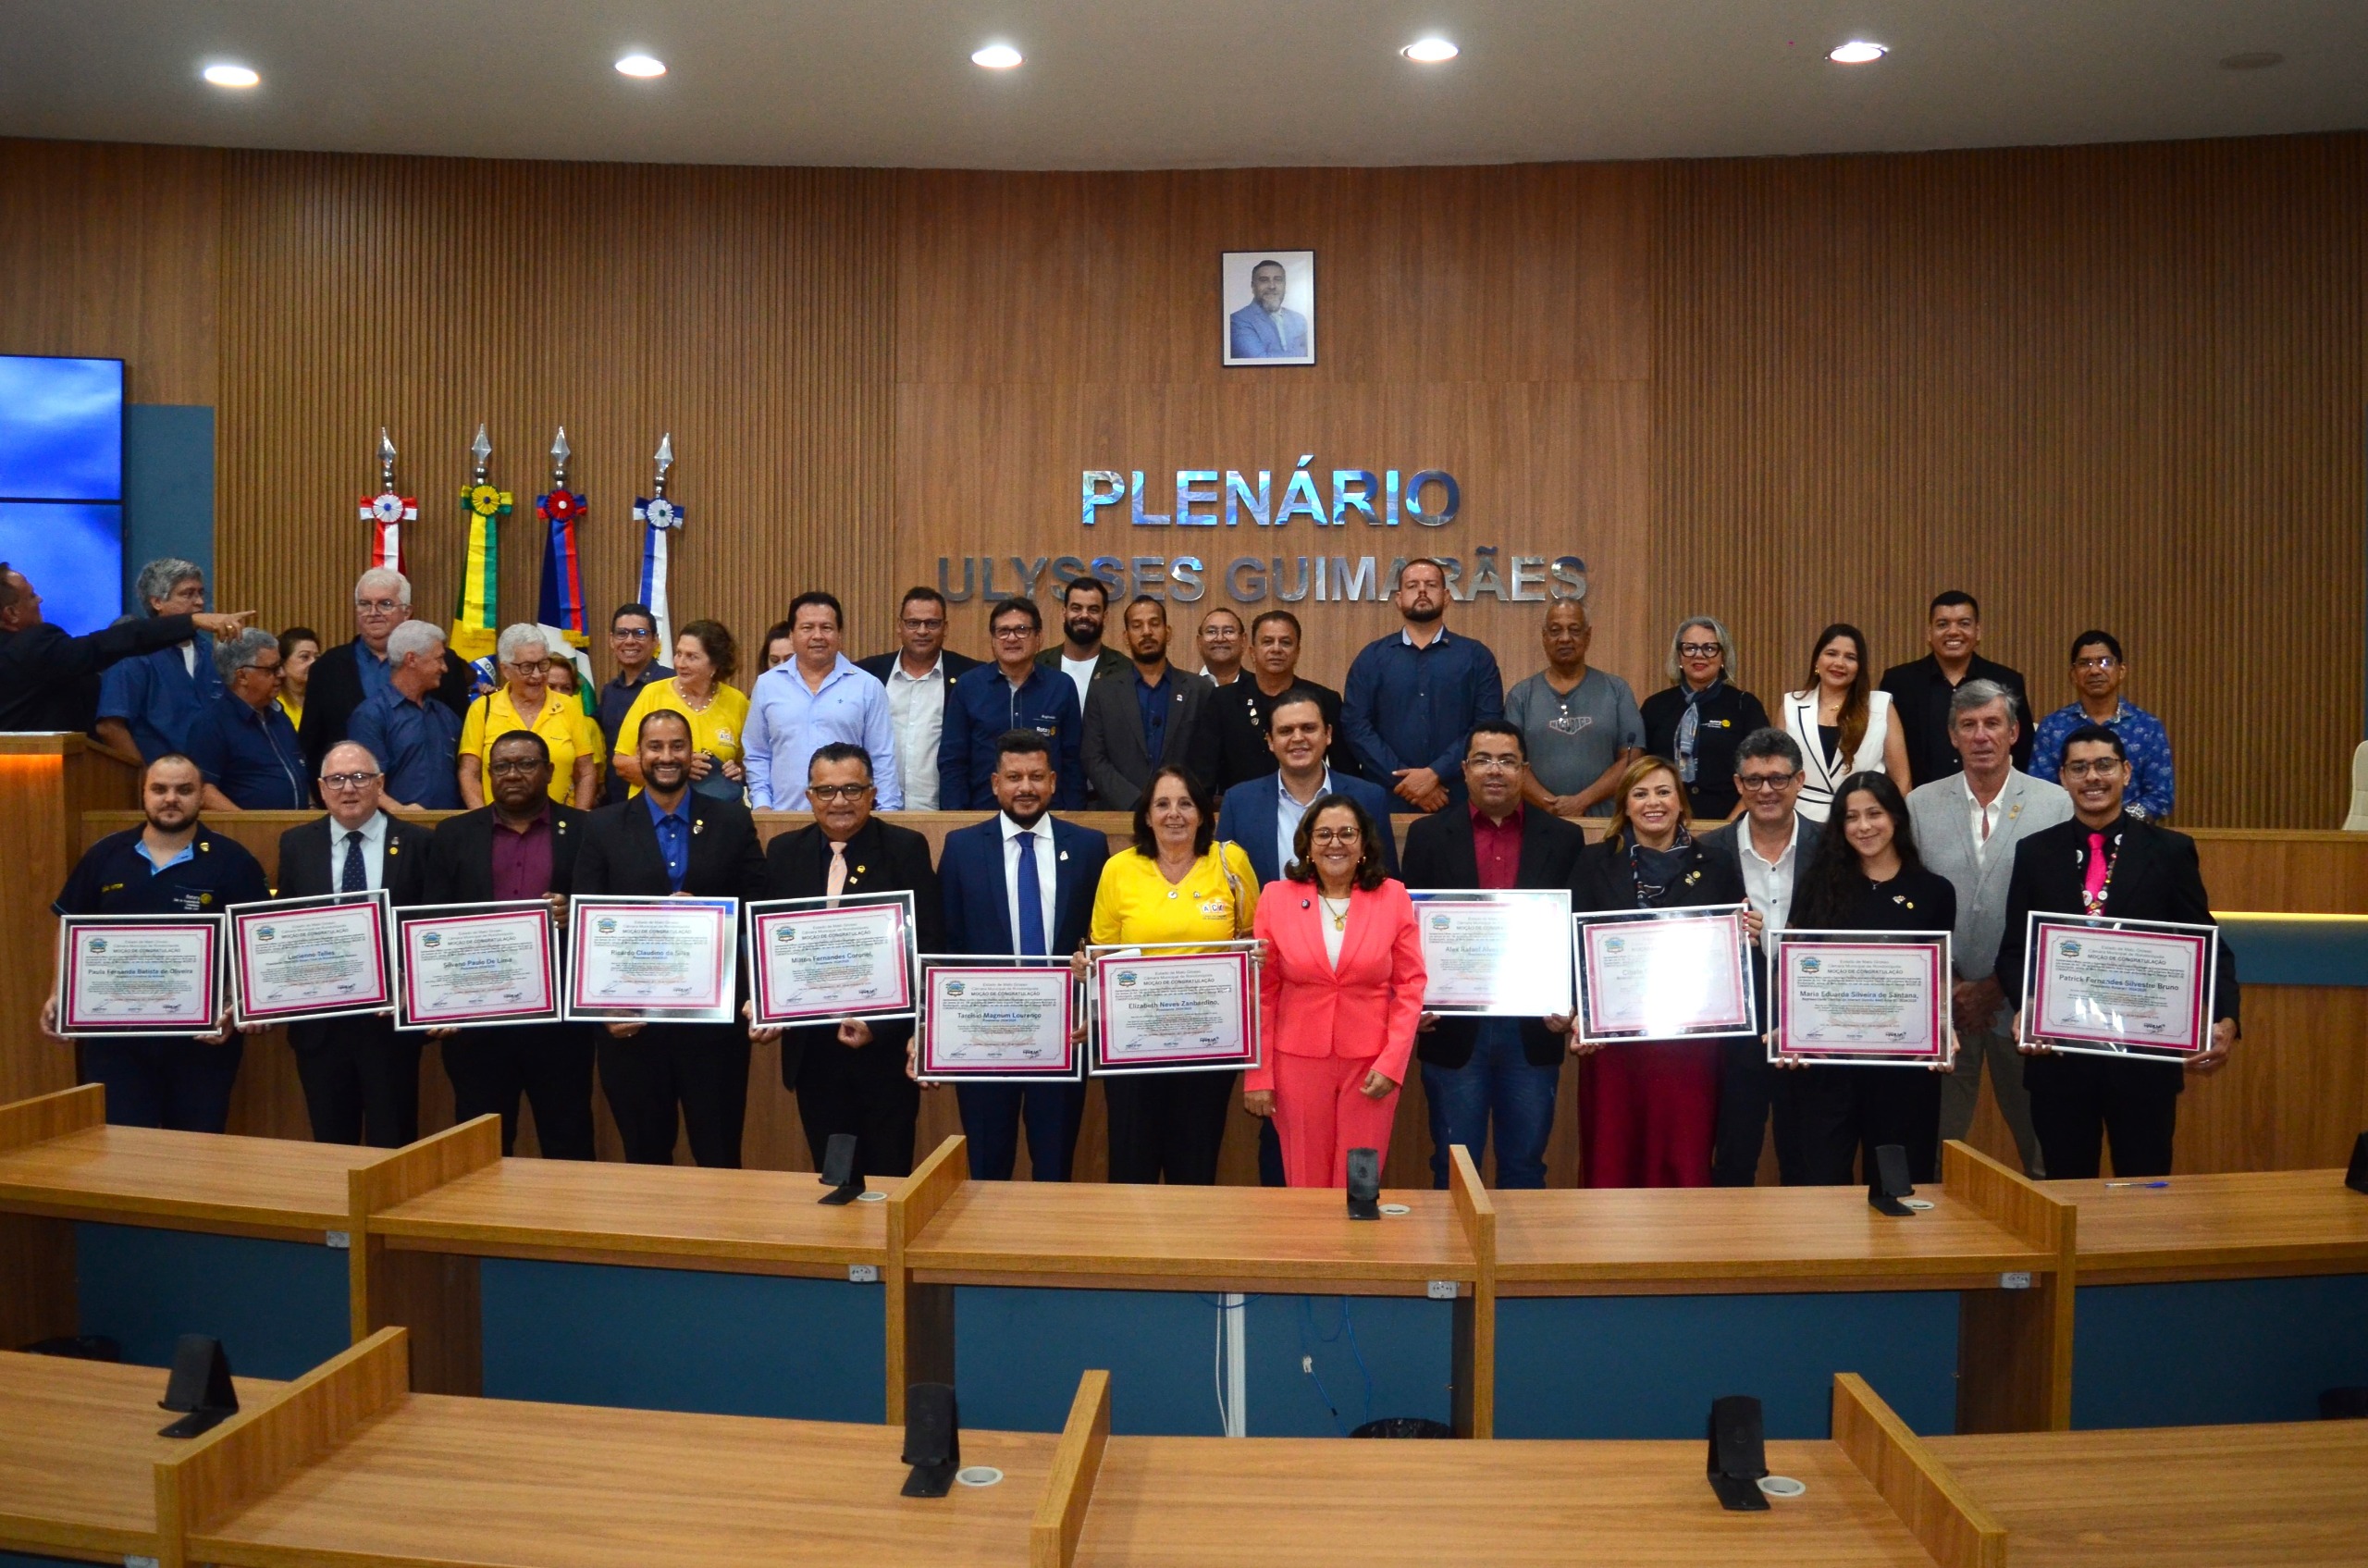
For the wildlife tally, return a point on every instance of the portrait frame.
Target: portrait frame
(1242, 337)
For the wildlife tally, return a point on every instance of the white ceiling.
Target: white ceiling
(1172, 83)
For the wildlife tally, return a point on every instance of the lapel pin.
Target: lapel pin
(859, 870)
(699, 824)
(1065, 854)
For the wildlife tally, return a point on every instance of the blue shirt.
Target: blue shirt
(116, 877)
(2151, 787)
(674, 834)
(789, 721)
(1152, 702)
(616, 701)
(253, 758)
(1408, 707)
(417, 746)
(376, 671)
(156, 696)
(980, 705)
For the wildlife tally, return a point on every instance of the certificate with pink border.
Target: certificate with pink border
(1182, 1007)
(2099, 986)
(1663, 974)
(139, 974)
(465, 965)
(301, 958)
(1865, 998)
(984, 1021)
(810, 960)
(666, 960)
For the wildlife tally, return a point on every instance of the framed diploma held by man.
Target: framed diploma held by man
(1495, 954)
(464, 965)
(1866, 998)
(984, 1021)
(809, 961)
(299, 958)
(139, 974)
(2100, 986)
(1663, 974)
(1174, 1008)
(656, 960)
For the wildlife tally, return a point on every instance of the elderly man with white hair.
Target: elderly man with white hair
(416, 737)
(525, 702)
(147, 705)
(350, 675)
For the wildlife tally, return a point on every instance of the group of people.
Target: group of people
(1261, 806)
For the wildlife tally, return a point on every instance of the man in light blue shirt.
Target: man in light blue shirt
(1263, 328)
(817, 697)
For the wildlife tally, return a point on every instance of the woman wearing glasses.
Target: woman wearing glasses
(1701, 716)
(705, 659)
(525, 702)
(1338, 997)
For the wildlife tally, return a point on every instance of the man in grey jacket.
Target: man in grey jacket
(1156, 715)
(1966, 827)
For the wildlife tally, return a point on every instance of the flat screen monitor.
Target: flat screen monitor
(61, 484)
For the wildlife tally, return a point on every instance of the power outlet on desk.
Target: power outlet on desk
(2019, 1281)
(863, 1273)
(1442, 1289)
(340, 1241)
(136, 1561)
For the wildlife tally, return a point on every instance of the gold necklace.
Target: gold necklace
(1339, 916)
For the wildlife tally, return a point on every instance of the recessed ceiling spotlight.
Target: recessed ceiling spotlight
(641, 65)
(2251, 60)
(996, 57)
(1430, 51)
(231, 76)
(1857, 52)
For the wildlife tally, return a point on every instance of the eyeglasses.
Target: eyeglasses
(1490, 759)
(912, 625)
(515, 768)
(1013, 633)
(2103, 768)
(635, 635)
(352, 781)
(1764, 783)
(380, 606)
(2102, 662)
(273, 671)
(1334, 836)
(838, 792)
(1699, 651)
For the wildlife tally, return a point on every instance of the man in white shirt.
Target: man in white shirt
(1081, 654)
(1966, 827)
(917, 675)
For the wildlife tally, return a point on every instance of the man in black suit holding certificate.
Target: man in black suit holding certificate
(361, 1078)
(672, 840)
(849, 1076)
(2105, 862)
(523, 845)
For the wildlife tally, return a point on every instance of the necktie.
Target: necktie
(352, 878)
(1031, 899)
(835, 882)
(2092, 887)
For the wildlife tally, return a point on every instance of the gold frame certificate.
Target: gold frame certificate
(1664, 974)
(1864, 998)
(461, 966)
(1174, 1008)
(2099, 986)
(654, 960)
(299, 958)
(989, 1022)
(809, 961)
(1495, 954)
(139, 974)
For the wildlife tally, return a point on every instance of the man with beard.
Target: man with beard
(1159, 715)
(171, 865)
(1412, 698)
(1085, 605)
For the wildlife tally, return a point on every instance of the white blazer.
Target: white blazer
(1820, 776)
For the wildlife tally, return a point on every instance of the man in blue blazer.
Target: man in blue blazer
(984, 870)
(1263, 328)
(1261, 814)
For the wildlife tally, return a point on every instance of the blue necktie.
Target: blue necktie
(1031, 900)
(354, 879)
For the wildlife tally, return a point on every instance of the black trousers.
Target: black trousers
(173, 1083)
(1839, 1113)
(2078, 1102)
(861, 1090)
(1749, 1089)
(548, 1063)
(700, 1070)
(360, 1079)
(993, 1115)
(1169, 1125)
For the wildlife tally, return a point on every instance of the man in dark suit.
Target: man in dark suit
(521, 846)
(1153, 716)
(2107, 862)
(849, 1076)
(918, 673)
(361, 1078)
(669, 840)
(1508, 1069)
(1021, 883)
(346, 676)
(1261, 814)
(1243, 710)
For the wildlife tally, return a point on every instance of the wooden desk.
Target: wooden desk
(2295, 1495)
(2241, 1225)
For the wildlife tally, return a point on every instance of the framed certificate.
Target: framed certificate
(985, 1020)
(2099, 986)
(1495, 954)
(809, 961)
(139, 974)
(1869, 998)
(658, 960)
(1663, 974)
(1174, 1006)
(301, 958)
(458, 965)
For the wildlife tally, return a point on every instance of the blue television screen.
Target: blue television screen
(61, 484)
(72, 554)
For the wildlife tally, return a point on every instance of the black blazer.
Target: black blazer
(879, 664)
(882, 857)
(1602, 881)
(334, 691)
(1440, 854)
(460, 860)
(619, 855)
(307, 867)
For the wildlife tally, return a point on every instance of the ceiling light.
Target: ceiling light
(2253, 60)
(642, 66)
(1857, 52)
(1430, 51)
(231, 76)
(996, 57)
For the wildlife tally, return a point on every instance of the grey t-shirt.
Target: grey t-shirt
(1573, 739)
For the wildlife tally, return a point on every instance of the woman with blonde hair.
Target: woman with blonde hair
(1701, 716)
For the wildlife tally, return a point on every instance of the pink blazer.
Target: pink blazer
(1367, 1008)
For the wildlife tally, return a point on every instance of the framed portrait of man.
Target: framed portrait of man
(1269, 307)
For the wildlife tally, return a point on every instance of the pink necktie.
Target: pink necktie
(836, 882)
(2094, 884)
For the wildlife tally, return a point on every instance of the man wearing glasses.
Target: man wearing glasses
(1018, 694)
(350, 675)
(2099, 673)
(633, 641)
(919, 673)
(1769, 844)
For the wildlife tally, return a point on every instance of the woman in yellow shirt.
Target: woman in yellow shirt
(525, 702)
(299, 645)
(1176, 884)
(705, 657)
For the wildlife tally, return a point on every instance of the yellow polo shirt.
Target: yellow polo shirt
(560, 722)
(716, 728)
(1136, 904)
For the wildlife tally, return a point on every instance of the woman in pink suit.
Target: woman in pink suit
(1338, 998)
